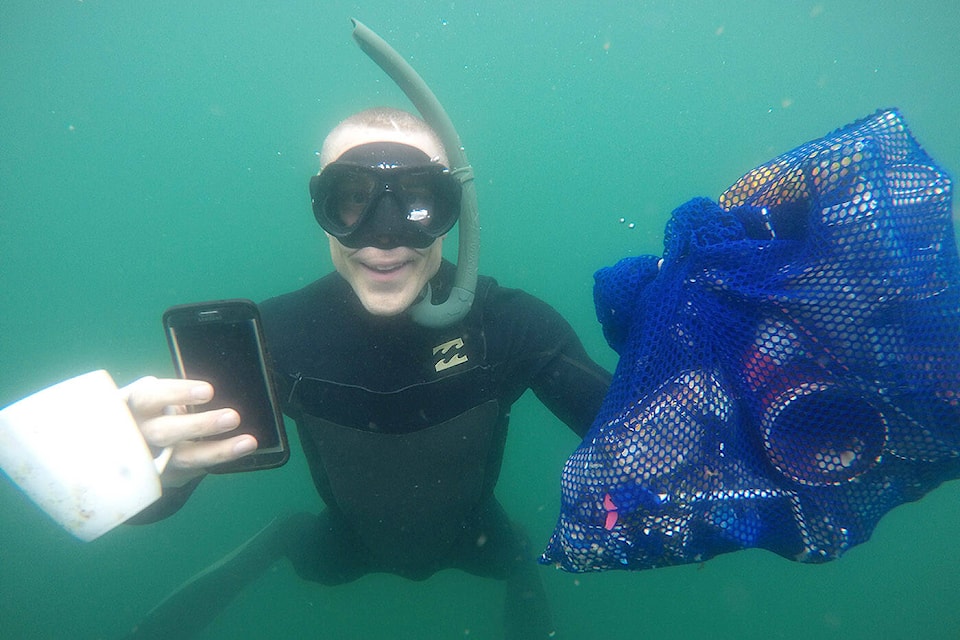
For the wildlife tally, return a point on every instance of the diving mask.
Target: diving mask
(385, 195)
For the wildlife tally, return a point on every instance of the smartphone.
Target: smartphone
(221, 342)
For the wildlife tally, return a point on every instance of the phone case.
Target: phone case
(222, 342)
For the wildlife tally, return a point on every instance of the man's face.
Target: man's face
(387, 281)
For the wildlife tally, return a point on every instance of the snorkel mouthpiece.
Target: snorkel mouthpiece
(458, 304)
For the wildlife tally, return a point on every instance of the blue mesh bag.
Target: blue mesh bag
(789, 371)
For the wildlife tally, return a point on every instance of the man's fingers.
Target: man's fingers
(200, 455)
(166, 430)
(148, 396)
(159, 405)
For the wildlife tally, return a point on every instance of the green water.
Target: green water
(158, 153)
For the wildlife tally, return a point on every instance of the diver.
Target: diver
(403, 424)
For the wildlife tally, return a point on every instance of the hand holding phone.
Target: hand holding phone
(221, 342)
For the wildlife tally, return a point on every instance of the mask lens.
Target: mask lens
(430, 199)
(340, 195)
(348, 198)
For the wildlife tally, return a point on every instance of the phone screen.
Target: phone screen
(221, 343)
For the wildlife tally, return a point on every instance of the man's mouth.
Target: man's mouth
(386, 268)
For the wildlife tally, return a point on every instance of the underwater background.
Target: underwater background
(156, 153)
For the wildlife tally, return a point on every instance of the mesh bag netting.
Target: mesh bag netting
(788, 373)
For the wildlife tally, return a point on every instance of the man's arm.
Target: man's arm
(572, 386)
(545, 355)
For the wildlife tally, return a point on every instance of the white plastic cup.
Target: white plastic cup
(76, 451)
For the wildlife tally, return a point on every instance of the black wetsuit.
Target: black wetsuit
(404, 426)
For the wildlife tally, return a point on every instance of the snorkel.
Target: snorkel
(461, 296)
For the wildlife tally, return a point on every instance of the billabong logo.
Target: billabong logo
(455, 357)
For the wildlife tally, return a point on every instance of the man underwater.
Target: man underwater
(403, 425)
